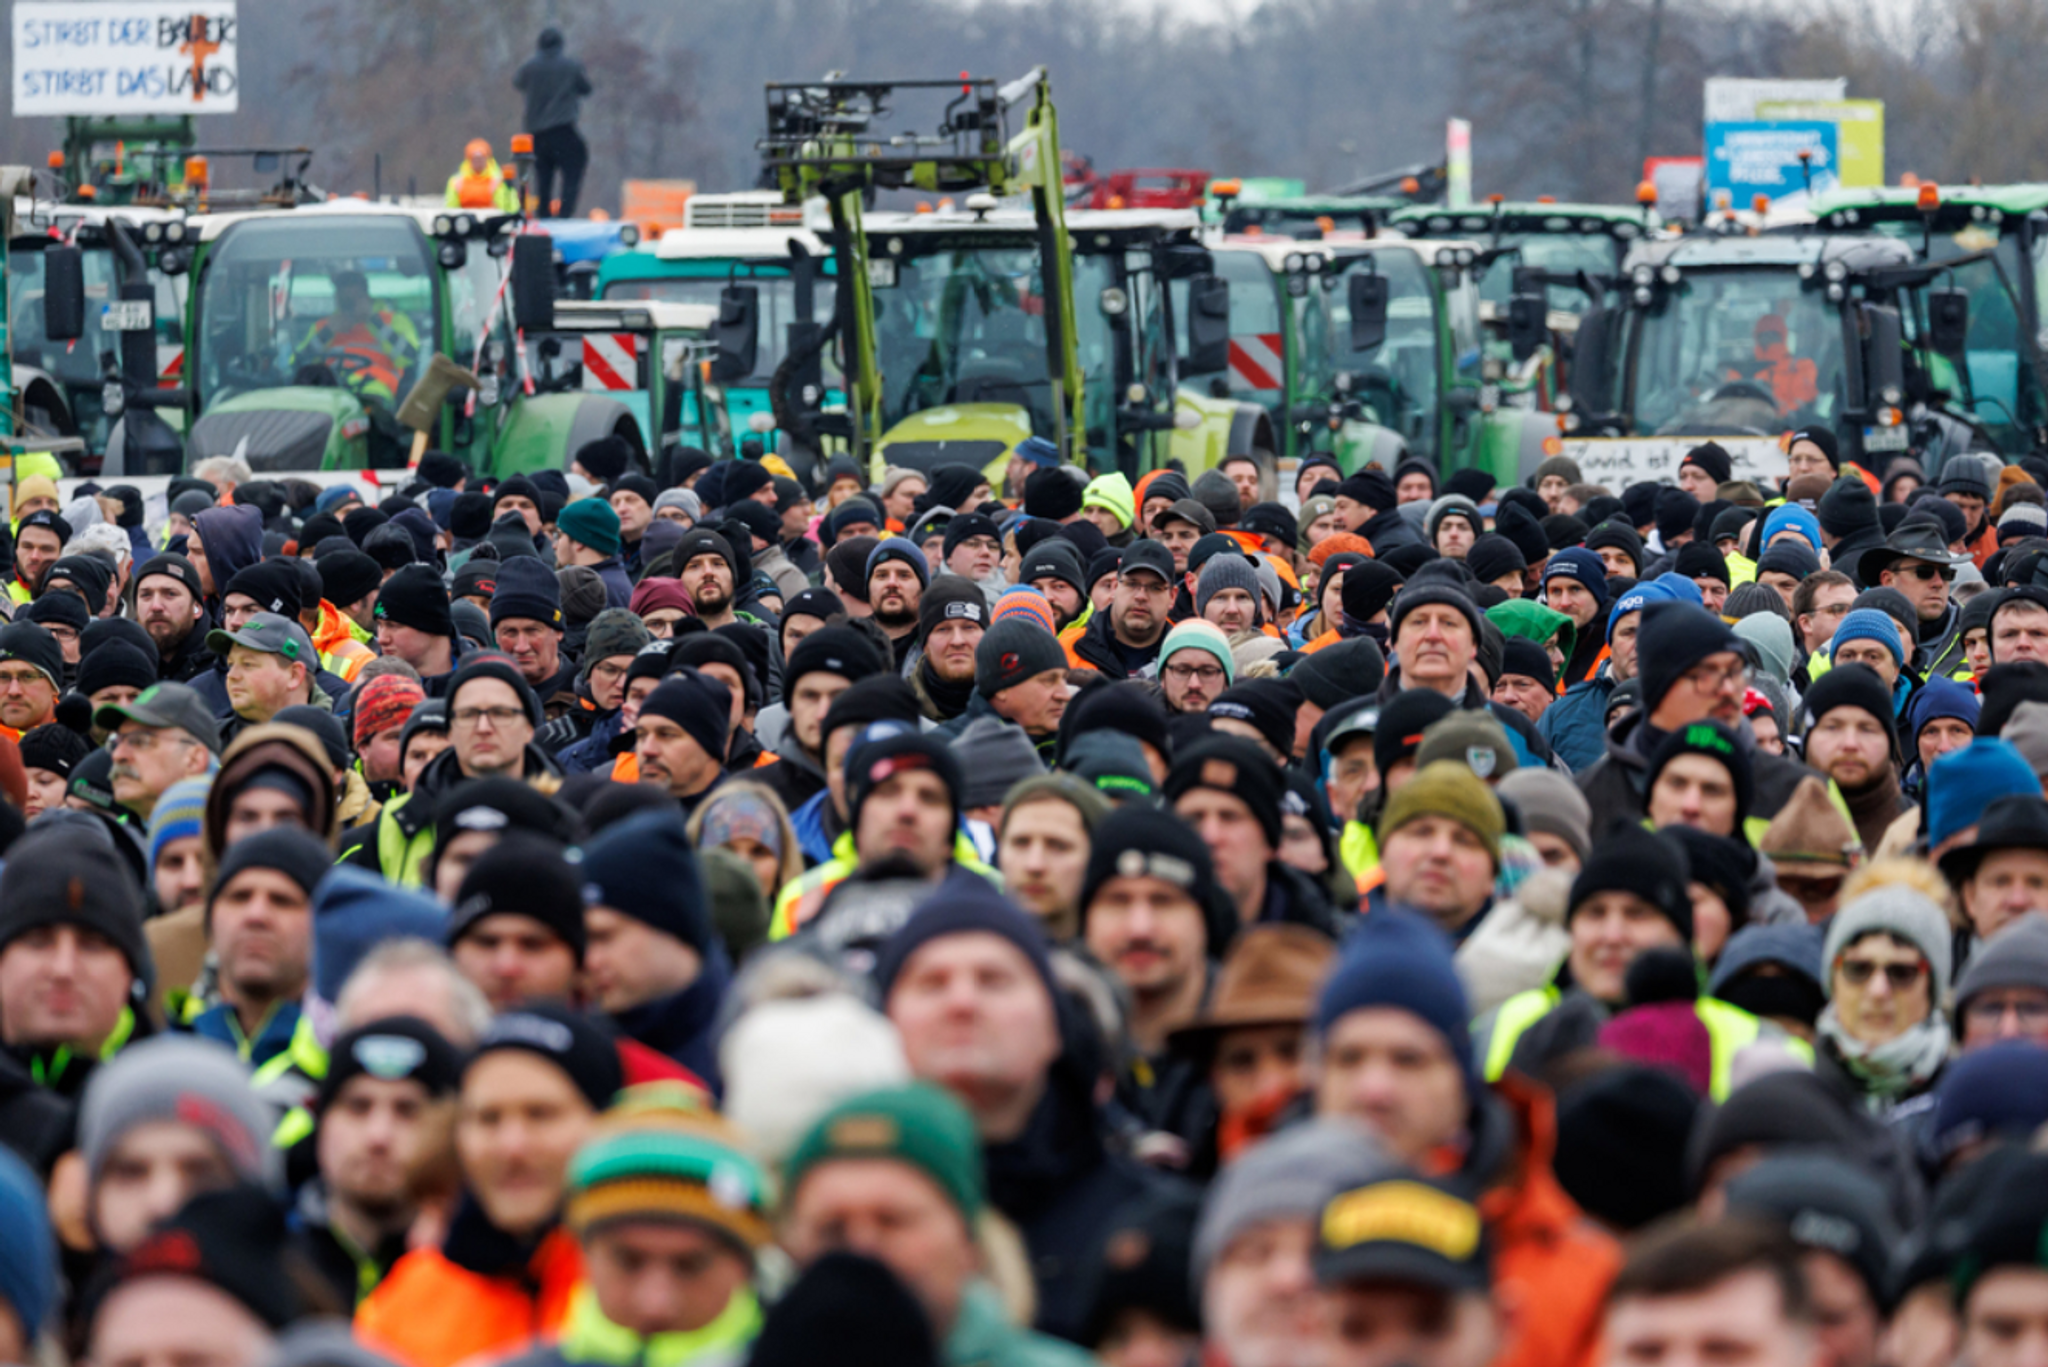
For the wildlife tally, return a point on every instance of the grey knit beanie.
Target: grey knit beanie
(1225, 572)
(1896, 911)
(615, 631)
(1292, 1176)
(177, 1077)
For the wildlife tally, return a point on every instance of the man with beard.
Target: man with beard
(709, 570)
(822, 666)
(1850, 738)
(526, 620)
(680, 736)
(952, 614)
(896, 576)
(1195, 666)
(1124, 642)
(1054, 567)
(38, 543)
(171, 606)
(385, 1080)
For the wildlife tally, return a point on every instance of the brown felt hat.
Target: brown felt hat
(1271, 977)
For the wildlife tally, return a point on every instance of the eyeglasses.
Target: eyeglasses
(1709, 680)
(1990, 1012)
(1857, 972)
(498, 716)
(22, 678)
(1924, 572)
(142, 742)
(608, 670)
(1189, 673)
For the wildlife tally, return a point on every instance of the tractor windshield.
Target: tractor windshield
(778, 309)
(1397, 379)
(316, 300)
(1738, 352)
(958, 325)
(1556, 253)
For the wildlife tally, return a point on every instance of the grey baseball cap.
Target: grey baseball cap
(165, 704)
(270, 633)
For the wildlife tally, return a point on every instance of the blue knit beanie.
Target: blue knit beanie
(1962, 783)
(1789, 517)
(1399, 959)
(354, 911)
(1868, 624)
(28, 1259)
(964, 904)
(1635, 600)
(643, 867)
(1576, 562)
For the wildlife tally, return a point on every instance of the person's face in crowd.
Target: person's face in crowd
(671, 757)
(1352, 513)
(171, 1321)
(167, 611)
(1941, 736)
(371, 1137)
(1846, 1319)
(1740, 1319)
(975, 1017)
(910, 814)
(708, 577)
(810, 699)
(1764, 726)
(1977, 650)
(796, 519)
(490, 728)
(1880, 988)
(35, 550)
(1608, 931)
(1149, 933)
(1972, 509)
(1526, 695)
(1106, 522)
(1353, 774)
(1237, 843)
(1616, 561)
(660, 1276)
(1179, 537)
(152, 1170)
(2002, 1013)
(514, 959)
(1042, 854)
(417, 648)
(893, 592)
(1711, 922)
(535, 648)
(1191, 679)
(527, 509)
(27, 697)
(634, 513)
(1233, 610)
(1696, 791)
(1327, 526)
(1454, 537)
(1438, 866)
(1571, 598)
(1925, 585)
(1436, 649)
(262, 935)
(1696, 482)
(893, 1213)
(519, 1121)
(951, 649)
(1818, 892)
(1556, 851)
(45, 791)
(1389, 1069)
(628, 962)
(661, 625)
(1621, 646)
(1713, 593)
(62, 984)
(260, 684)
(1871, 653)
(1551, 489)
(1806, 459)
(1037, 703)
(195, 553)
(67, 642)
(736, 689)
(1064, 597)
(934, 548)
(180, 875)
(1260, 1302)
(1301, 846)
(149, 759)
(1388, 1324)
(1139, 610)
(421, 749)
(1254, 1064)
(974, 558)
(1244, 476)
(608, 681)
(1831, 604)
(2005, 1319)
(1780, 583)
(1851, 747)
(570, 551)
(901, 504)
(2019, 631)
(1513, 584)
(1712, 688)
(236, 609)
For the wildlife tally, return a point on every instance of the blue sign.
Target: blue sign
(1762, 158)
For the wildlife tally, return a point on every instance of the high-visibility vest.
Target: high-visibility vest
(1730, 1030)
(386, 342)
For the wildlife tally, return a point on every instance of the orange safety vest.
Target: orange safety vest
(476, 191)
(381, 345)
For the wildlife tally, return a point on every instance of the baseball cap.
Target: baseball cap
(1403, 1229)
(1148, 555)
(269, 633)
(165, 704)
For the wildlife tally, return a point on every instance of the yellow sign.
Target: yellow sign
(1859, 133)
(1403, 1213)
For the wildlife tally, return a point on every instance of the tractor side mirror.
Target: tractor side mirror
(1593, 361)
(737, 332)
(1528, 323)
(1884, 356)
(1208, 325)
(533, 282)
(63, 294)
(1368, 300)
(1948, 321)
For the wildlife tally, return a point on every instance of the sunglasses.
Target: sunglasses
(1923, 572)
(1857, 972)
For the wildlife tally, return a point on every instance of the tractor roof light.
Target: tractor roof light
(1226, 189)
(1646, 192)
(1760, 204)
(55, 160)
(1928, 199)
(522, 144)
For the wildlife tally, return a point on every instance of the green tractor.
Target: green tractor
(350, 335)
(1994, 241)
(1742, 339)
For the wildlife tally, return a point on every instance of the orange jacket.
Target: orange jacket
(432, 1312)
(1549, 1261)
(339, 649)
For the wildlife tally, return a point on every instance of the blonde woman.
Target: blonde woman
(750, 821)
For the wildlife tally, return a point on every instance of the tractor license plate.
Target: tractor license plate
(1886, 438)
(127, 315)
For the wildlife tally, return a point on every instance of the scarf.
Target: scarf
(1901, 1065)
(949, 698)
(588, 1337)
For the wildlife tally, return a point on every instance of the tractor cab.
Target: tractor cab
(654, 356)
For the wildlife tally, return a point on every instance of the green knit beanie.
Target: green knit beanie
(918, 1124)
(1448, 789)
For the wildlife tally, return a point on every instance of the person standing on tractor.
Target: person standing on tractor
(554, 86)
(479, 182)
(383, 344)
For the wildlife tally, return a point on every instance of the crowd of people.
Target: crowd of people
(723, 914)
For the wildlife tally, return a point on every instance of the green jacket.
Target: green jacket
(984, 1337)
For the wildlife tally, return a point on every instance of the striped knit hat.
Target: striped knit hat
(180, 812)
(661, 1152)
(1026, 602)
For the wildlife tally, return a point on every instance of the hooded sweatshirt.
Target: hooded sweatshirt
(554, 85)
(233, 540)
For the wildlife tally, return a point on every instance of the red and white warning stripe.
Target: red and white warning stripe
(611, 360)
(1256, 361)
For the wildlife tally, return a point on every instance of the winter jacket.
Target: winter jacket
(1518, 944)
(588, 1339)
(1389, 530)
(618, 585)
(593, 753)
(351, 1272)
(794, 777)
(1092, 646)
(554, 85)
(982, 1336)
(481, 1291)
(397, 844)
(1576, 724)
(776, 564)
(1617, 786)
(233, 538)
(681, 1026)
(222, 1025)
